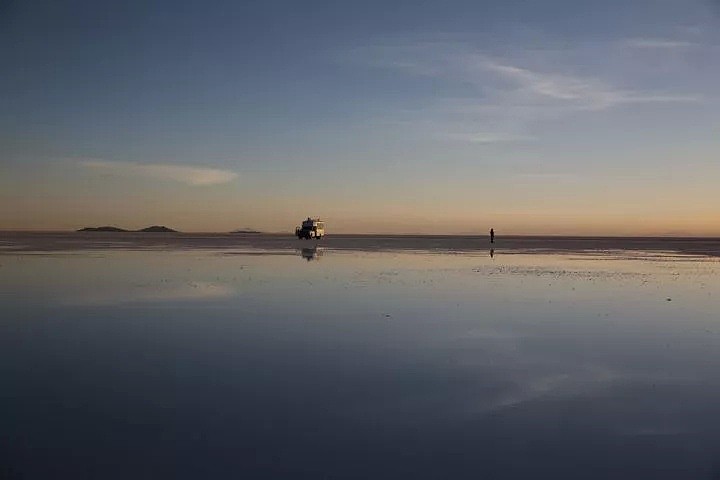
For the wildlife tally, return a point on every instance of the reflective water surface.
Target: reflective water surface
(326, 364)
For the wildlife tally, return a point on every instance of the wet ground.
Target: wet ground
(175, 357)
(455, 243)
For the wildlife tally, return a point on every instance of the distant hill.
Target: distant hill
(158, 229)
(102, 229)
(245, 230)
(153, 229)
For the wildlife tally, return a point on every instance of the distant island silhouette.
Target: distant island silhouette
(102, 229)
(158, 229)
(246, 230)
(153, 229)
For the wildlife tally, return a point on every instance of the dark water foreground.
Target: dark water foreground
(150, 362)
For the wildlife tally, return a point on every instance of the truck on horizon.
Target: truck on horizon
(311, 228)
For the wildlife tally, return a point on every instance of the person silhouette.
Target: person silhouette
(492, 236)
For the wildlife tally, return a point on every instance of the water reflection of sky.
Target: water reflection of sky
(122, 364)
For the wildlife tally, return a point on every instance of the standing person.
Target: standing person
(492, 236)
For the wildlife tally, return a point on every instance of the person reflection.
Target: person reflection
(492, 252)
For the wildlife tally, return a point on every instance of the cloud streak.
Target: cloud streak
(194, 176)
(506, 97)
(486, 138)
(584, 92)
(659, 43)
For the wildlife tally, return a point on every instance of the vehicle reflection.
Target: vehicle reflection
(311, 254)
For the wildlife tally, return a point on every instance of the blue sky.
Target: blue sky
(395, 116)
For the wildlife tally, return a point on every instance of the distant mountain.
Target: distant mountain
(102, 229)
(245, 230)
(158, 229)
(153, 229)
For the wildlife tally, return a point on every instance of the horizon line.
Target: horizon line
(369, 234)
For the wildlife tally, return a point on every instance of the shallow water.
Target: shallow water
(320, 363)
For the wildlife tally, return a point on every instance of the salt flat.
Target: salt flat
(49, 241)
(221, 356)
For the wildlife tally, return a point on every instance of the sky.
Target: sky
(562, 117)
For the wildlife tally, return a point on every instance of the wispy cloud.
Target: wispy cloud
(659, 43)
(489, 137)
(505, 96)
(553, 177)
(195, 176)
(584, 92)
